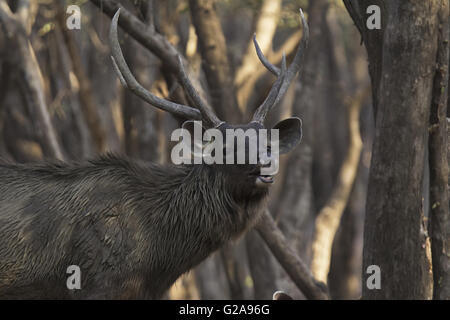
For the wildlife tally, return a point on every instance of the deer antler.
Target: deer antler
(201, 105)
(202, 112)
(280, 87)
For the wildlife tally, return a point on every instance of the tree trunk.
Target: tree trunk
(395, 234)
(438, 161)
(31, 80)
(216, 65)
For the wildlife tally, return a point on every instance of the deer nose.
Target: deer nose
(267, 158)
(264, 161)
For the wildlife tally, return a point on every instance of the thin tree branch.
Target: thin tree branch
(216, 65)
(87, 99)
(31, 78)
(355, 14)
(232, 272)
(329, 217)
(142, 33)
(147, 36)
(290, 261)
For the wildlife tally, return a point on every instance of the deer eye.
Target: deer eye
(267, 153)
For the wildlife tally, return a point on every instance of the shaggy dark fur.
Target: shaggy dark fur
(132, 227)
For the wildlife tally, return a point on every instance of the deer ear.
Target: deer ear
(289, 133)
(280, 295)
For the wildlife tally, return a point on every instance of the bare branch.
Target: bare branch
(293, 265)
(132, 84)
(142, 33)
(147, 36)
(88, 103)
(217, 68)
(329, 217)
(232, 272)
(32, 81)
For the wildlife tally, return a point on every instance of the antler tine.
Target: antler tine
(207, 113)
(127, 78)
(261, 112)
(263, 59)
(297, 62)
(293, 69)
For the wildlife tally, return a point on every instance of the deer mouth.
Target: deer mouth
(264, 180)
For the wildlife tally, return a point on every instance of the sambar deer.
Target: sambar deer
(132, 227)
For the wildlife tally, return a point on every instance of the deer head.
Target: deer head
(289, 130)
